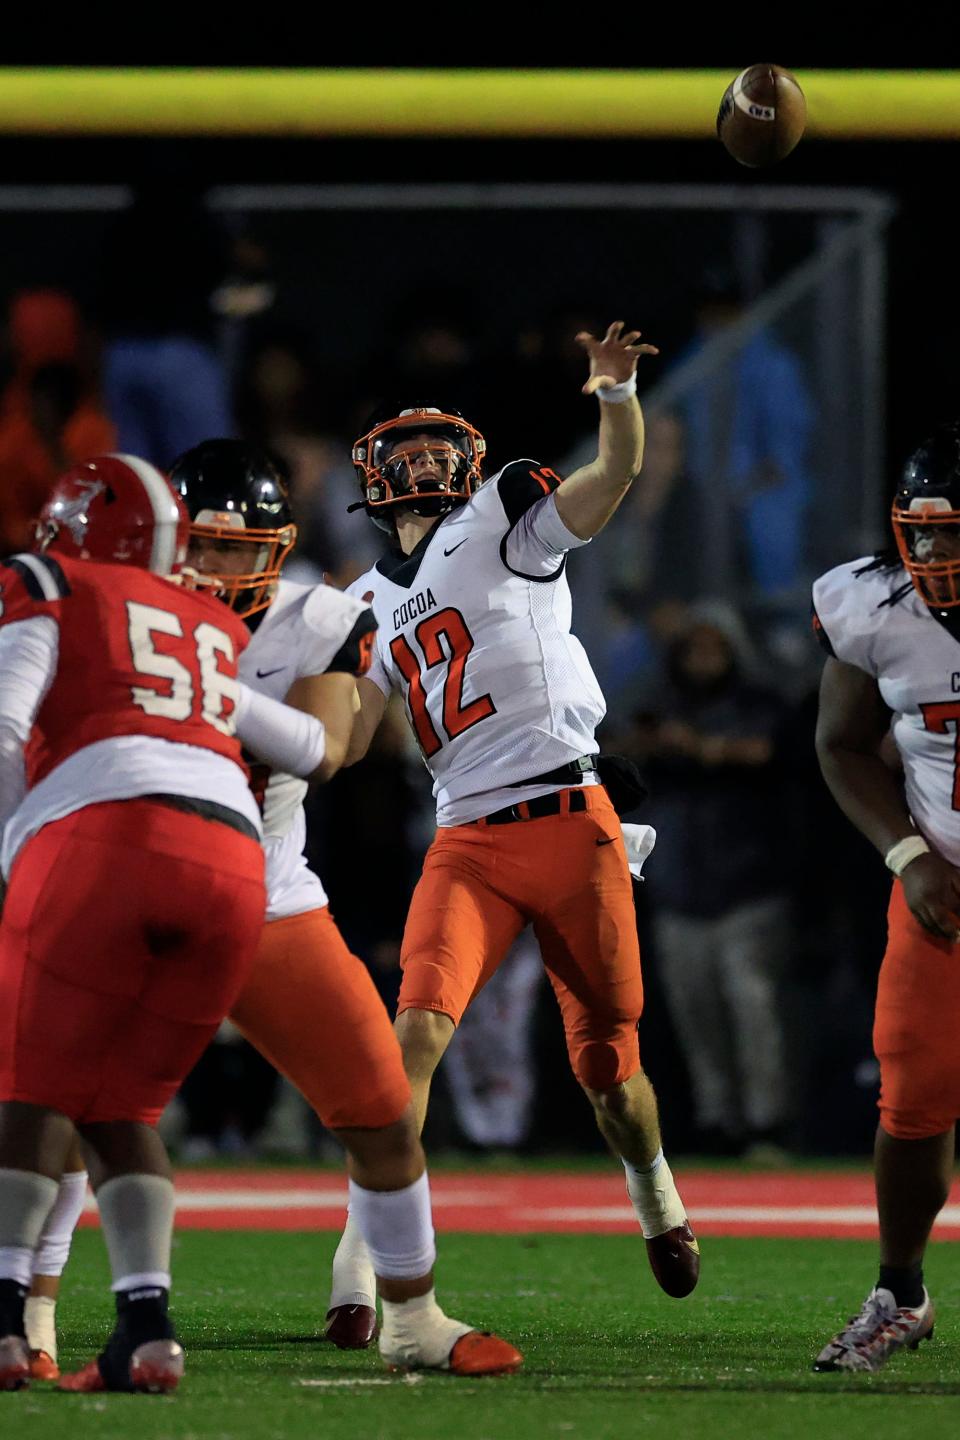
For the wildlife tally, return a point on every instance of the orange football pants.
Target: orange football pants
(915, 1033)
(310, 1007)
(566, 875)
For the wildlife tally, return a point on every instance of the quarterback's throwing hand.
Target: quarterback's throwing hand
(614, 358)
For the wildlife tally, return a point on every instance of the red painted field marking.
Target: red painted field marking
(724, 1202)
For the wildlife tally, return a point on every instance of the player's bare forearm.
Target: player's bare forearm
(365, 721)
(331, 699)
(590, 496)
(851, 726)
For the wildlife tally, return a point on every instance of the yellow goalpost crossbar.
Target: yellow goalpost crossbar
(641, 104)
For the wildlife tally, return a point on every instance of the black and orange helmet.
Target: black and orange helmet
(236, 495)
(926, 514)
(387, 479)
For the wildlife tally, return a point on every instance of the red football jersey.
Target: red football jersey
(138, 655)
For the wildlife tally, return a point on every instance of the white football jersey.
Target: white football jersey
(916, 664)
(308, 630)
(474, 630)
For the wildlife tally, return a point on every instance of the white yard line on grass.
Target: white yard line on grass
(301, 1200)
(413, 1378)
(736, 1214)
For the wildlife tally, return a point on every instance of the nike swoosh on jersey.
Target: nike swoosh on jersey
(262, 674)
(457, 546)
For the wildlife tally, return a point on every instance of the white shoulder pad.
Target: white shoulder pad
(849, 610)
(330, 612)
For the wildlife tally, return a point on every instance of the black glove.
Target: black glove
(622, 781)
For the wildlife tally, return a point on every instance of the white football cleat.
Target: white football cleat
(14, 1363)
(881, 1329)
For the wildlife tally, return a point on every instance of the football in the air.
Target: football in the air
(762, 115)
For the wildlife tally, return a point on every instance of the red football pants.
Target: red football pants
(127, 933)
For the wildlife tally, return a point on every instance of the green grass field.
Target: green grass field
(607, 1354)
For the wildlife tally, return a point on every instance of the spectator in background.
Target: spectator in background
(282, 407)
(374, 819)
(663, 518)
(748, 429)
(227, 1098)
(489, 1065)
(43, 328)
(166, 387)
(627, 661)
(630, 570)
(717, 882)
(433, 350)
(57, 426)
(546, 364)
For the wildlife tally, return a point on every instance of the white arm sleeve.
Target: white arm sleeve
(28, 663)
(536, 545)
(285, 738)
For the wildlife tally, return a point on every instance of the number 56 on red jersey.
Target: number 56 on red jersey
(136, 655)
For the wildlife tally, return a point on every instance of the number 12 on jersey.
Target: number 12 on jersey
(449, 626)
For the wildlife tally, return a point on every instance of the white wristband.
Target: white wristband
(899, 856)
(616, 394)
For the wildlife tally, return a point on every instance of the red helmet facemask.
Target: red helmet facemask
(118, 509)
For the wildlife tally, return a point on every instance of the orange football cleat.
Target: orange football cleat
(43, 1366)
(14, 1363)
(156, 1368)
(87, 1381)
(480, 1353)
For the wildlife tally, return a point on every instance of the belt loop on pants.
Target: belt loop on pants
(561, 802)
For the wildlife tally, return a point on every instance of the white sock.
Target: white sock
(40, 1323)
(397, 1226)
(417, 1334)
(142, 1280)
(354, 1282)
(53, 1249)
(655, 1197)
